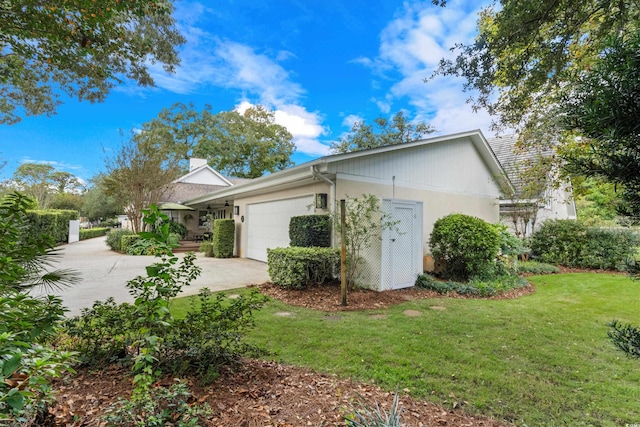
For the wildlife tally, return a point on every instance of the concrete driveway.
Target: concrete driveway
(105, 273)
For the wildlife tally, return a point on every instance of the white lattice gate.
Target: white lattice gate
(401, 244)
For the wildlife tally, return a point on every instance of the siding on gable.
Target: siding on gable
(445, 166)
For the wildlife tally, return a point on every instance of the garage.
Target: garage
(268, 224)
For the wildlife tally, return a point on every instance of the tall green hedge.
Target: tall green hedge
(310, 231)
(52, 222)
(571, 243)
(90, 233)
(296, 268)
(224, 232)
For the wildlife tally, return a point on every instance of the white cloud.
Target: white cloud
(303, 125)
(352, 119)
(411, 47)
(259, 79)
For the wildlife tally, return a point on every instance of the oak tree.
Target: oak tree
(381, 133)
(81, 48)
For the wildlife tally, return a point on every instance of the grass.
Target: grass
(540, 360)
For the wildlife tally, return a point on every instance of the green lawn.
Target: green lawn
(543, 359)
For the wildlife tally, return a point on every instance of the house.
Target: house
(416, 182)
(200, 180)
(538, 193)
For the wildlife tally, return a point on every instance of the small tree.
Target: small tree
(364, 221)
(139, 175)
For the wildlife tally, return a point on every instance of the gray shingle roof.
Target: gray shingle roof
(514, 159)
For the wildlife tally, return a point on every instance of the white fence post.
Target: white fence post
(74, 230)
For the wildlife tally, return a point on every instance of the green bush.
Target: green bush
(27, 363)
(178, 228)
(475, 287)
(114, 238)
(173, 240)
(101, 335)
(310, 231)
(207, 248)
(158, 407)
(465, 246)
(559, 241)
(570, 243)
(608, 249)
(52, 222)
(90, 233)
(142, 246)
(535, 267)
(224, 232)
(295, 268)
(626, 338)
(210, 335)
(127, 241)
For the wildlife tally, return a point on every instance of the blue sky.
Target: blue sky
(321, 65)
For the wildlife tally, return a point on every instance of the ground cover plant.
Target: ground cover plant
(542, 359)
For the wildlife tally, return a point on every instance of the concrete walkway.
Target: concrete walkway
(105, 273)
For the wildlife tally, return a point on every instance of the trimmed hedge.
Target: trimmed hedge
(465, 246)
(52, 222)
(127, 240)
(310, 231)
(114, 238)
(298, 267)
(90, 233)
(570, 243)
(224, 233)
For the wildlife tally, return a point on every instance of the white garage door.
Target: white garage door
(268, 224)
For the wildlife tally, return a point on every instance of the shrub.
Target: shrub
(101, 334)
(559, 242)
(224, 232)
(475, 287)
(207, 248)
(570, 243)
(608, 249)
(128, 240)
(465, 245)
(178, 228)
(310, 231)
(142, 246)
(27, 365)
(52, 222)
(114, 238)
(210, 335)
(295, 268)
(626, 338)
(159, 406)
(368, 416)
(535, 267)
(90, 233)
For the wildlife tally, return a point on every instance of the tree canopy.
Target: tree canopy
(244, 145)
(139, 175)
(381, 133)
(525, 50)
(602, 106)
(82, 48)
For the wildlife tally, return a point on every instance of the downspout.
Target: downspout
(332, 196)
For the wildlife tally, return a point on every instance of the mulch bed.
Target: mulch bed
(264, 393)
